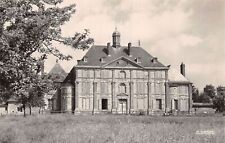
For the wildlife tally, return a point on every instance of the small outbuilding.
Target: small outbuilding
(12, 106)
(3, 109)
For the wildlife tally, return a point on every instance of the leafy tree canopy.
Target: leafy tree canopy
(219, 100)
(210, 91)
(195, 94)
(28, 26)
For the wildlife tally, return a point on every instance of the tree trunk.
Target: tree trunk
(39, 110)
(30, 109)
(24, 110)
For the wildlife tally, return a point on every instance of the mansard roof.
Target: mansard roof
(97, 53)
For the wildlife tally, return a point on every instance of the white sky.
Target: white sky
(175, 31)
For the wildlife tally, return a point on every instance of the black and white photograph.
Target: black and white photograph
(112, 71)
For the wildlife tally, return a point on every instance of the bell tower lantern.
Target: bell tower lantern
(116, 38)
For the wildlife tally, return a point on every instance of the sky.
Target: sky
(174, 31)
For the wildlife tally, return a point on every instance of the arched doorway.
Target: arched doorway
(122, 103)
(122, 106)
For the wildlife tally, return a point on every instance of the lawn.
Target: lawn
(65, 128)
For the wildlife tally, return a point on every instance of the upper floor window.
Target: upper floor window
(122, 88)
(104, 87)
(122, 74)
(86, 87)
(106, 74)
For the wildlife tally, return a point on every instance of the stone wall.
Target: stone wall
(180, 97)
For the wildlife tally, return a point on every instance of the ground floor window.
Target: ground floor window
(104, 104)
(86, 104)
(159, 104)
(176, 104)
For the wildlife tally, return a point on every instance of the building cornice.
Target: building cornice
(100, 67)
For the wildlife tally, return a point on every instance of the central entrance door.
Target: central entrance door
(122, 106)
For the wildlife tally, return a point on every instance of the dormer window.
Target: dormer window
(85, 59)
(154, 60)
(122, 88)
(138, 60)
(102, 60)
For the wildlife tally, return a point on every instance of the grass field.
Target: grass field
(64, 128)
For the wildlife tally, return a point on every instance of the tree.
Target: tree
(219, 103)
(27, 27)
(195, 94)
(219, 100)
(37, 92)
(210, 91)
(204, 98)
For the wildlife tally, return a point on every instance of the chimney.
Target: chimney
(108, 49)
(182, 69)
(129, 49)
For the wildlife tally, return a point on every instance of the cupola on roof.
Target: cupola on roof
(116, 38)
(116, 32)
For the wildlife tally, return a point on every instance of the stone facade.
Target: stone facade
(122, 80)
(118, 90)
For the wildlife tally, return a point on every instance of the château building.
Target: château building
(123, 80)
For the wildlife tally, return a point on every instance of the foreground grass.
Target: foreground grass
(63, 128)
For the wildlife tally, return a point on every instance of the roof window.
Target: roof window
(138, 60)
(102, 60)
(85, 59)
(154, 60)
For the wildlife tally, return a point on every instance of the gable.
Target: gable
(122, 63)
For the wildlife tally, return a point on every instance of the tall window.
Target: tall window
(86, 87)
(159, 104)
(183, 90)
(176, 104)
(122, 88)
(86, 73)
(104, 104)
(86, 104)
(122, 74)
(139, 74)
(141, 87)
(104, 87)
(158, 88)
(106, 74)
